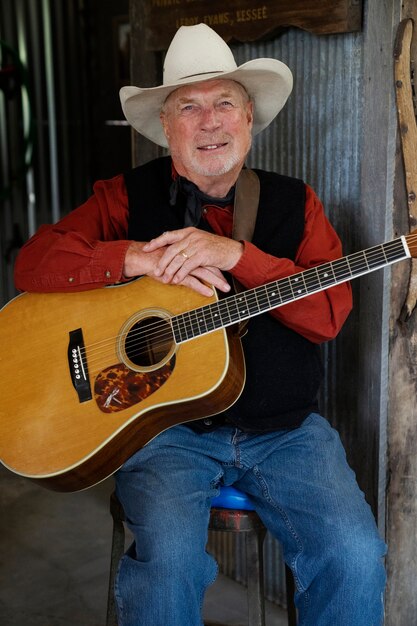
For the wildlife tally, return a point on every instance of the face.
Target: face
(208, 128)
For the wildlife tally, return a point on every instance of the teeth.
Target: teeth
(212, 147)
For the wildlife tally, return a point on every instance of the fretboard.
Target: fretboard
(246, 304)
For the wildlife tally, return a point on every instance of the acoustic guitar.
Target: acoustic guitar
(88, 378)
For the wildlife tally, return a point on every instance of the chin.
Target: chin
(218, 167)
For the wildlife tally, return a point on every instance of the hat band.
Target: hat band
(202, 74)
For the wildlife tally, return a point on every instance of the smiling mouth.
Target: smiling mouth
(213, 146)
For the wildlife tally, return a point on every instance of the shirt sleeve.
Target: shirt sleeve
(320, 316)
(84, 250)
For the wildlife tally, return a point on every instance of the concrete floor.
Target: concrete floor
(54, 560)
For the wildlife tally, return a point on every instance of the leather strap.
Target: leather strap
(244, 218)
(246, 205)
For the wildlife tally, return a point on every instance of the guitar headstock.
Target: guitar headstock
(411, 240)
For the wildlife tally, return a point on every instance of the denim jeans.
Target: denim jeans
(302, 488)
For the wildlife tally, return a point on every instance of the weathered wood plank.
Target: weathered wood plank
(249, 20)
(401, 596)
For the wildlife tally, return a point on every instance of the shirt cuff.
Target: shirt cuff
(252, 268)
(106, 265)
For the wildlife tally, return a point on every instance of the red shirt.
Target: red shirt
(86, 250)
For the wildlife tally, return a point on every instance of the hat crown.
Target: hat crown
(194, 51)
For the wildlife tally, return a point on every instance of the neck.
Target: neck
(214, 186)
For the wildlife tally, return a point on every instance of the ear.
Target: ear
(165, 124)
(249, 114)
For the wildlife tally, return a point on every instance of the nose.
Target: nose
(210, 119)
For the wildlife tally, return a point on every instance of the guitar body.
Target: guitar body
(69, 439)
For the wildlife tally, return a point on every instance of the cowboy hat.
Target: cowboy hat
(196, 54)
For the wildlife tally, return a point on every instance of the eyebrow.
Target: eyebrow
(223, 94)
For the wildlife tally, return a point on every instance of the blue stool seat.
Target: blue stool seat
(232, 498)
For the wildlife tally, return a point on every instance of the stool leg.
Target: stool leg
(255, 577)
(117, 550)
(289, 582)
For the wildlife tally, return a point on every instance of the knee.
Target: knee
(358, 558)
(168, 550)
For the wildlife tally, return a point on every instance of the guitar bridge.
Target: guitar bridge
(77, 363)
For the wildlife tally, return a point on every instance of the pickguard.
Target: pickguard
(118, 387)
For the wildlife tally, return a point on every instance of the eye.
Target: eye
(226, 104)
(187, 108)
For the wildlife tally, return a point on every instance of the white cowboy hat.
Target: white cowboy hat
(196, 54)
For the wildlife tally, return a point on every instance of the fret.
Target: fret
(312, 280)
(358, 263)
(324, 278)
(182, 328)
(298, 285)
(190, 324)
(395, 251)
(229, 309)
(342, 270)
(375, 257)
(256, 303)
(216, 315)
(285, 289)
(273, 294)
(213, 317)
(201, 321)
(243, 306)
(177, 329)
(262, 297)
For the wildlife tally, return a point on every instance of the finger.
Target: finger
(166, 239)
(197, 285)
(194, 283)
(176, 258)
(212, 276)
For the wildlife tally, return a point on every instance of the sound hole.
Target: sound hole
(149, 342)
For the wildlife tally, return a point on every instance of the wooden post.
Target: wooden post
(401, 533)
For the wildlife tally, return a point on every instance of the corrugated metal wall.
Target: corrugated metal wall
(44, 131)
(317, 138)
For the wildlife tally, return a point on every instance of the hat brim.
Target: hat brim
(268, 82)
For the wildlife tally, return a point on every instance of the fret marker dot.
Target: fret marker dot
(325, 274)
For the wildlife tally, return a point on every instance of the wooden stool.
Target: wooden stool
(231, 511)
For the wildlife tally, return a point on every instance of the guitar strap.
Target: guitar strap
(244, 217)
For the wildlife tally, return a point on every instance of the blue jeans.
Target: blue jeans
(302, 488)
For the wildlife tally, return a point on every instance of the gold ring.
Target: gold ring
(184, 254)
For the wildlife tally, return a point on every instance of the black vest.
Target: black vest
(283, 369)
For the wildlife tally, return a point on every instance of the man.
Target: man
(171, 219)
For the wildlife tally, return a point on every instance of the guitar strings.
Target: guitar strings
(160, 333)
(287, 291)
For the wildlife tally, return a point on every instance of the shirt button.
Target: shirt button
(207, 422)
(108, 274)
(71, 279)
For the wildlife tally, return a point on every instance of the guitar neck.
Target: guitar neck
(247, 304)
